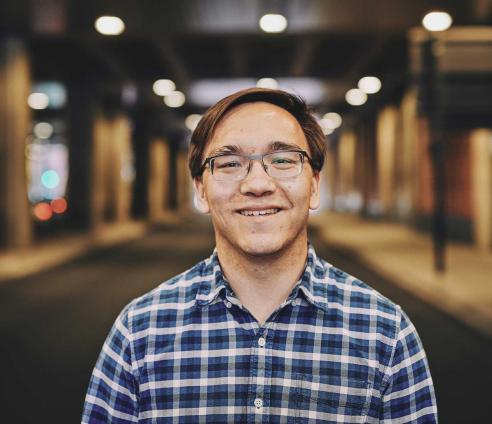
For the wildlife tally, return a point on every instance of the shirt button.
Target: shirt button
(295, 302)
(258, 403)
(228, 304)
(261, 341)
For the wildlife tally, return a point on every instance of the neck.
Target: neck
(262, 283)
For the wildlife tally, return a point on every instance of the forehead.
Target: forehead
(253, 126)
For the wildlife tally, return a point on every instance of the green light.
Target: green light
(50, 178)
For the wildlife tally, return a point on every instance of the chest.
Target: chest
(277, 373)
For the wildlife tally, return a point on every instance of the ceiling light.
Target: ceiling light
(175, 99)
(437, 21)
(332, 120)
(163, 87)
(273, 23)
(38, 101)
(356, 97)
(267, 83)
(192, 120)
(109, 25)
(369, 85)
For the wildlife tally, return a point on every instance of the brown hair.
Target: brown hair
(293, 104)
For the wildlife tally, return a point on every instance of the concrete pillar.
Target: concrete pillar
(16, 229)
(112, 165)
(124, 172)
(159, 162)
(346, 161)
(408, 154)
(481, 168)
(183, 185)
(82, 97)
(386, 143)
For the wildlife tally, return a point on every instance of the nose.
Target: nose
(257, 182)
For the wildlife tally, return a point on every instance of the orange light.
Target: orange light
(59, 205)
(42, 211)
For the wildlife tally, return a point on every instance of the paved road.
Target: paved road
(52, 326)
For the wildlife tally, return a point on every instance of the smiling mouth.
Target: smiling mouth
(259, 213)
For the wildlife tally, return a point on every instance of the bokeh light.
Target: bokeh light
(355, 97)
(50, 178)
(59, 205)
(43, 130)
(163, 87)
(271, 83)
(333, 120)
(38, 101)
(273, 23)
(192, 120)
(437, 21)
(370, 85)
(42, 211)
(175, 99)
(109, 25)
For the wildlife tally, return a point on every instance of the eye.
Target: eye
(229, 164)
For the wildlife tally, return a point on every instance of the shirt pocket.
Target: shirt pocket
(329, 399)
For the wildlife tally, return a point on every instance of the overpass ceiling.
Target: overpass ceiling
(334, 41)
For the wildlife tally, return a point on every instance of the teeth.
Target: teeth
(258, 213)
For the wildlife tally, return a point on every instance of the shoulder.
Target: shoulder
(367, 308)
(162, 304)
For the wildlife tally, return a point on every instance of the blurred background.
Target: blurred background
(98, 100)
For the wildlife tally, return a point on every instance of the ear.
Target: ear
(314, 198)
(200, 198)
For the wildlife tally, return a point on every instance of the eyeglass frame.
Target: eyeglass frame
(259, 157)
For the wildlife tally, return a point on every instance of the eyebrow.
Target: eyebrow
(272, 147)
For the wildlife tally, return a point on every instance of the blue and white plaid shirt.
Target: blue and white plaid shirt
(335, 351)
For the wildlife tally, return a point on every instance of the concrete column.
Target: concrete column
(82, 96)
(481, 168)
(124, 172)
(386, 143)
(406, 194)
(16, 229)
(159, 181)
(99, 174)
(346, 161)
(183, 185)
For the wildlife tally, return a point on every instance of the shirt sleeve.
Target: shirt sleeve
(112, 396)
(408, 395)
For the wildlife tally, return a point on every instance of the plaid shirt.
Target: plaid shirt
(334, 351)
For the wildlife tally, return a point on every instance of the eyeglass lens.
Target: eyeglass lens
(277, 164)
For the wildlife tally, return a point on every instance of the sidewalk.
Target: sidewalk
(41, 256)
(405, 257)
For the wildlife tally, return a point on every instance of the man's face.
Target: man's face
(252, 128)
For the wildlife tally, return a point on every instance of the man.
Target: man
(263, 331)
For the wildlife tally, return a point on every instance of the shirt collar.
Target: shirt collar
(312, 282)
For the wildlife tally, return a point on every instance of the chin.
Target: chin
(262, 247)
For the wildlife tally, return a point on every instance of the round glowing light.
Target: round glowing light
(163, 87)
(332, 119)
(267, 83)
(59, 205)
(109, 25)
(273, 23)
(38, 101)
(192, 120)
(42, 211)
(326, 126)
(175, 99)
(50, 178)
(437, 21)
(369, 85)
(43, 130)
(355, 97)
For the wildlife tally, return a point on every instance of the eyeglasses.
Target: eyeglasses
(235, 167)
